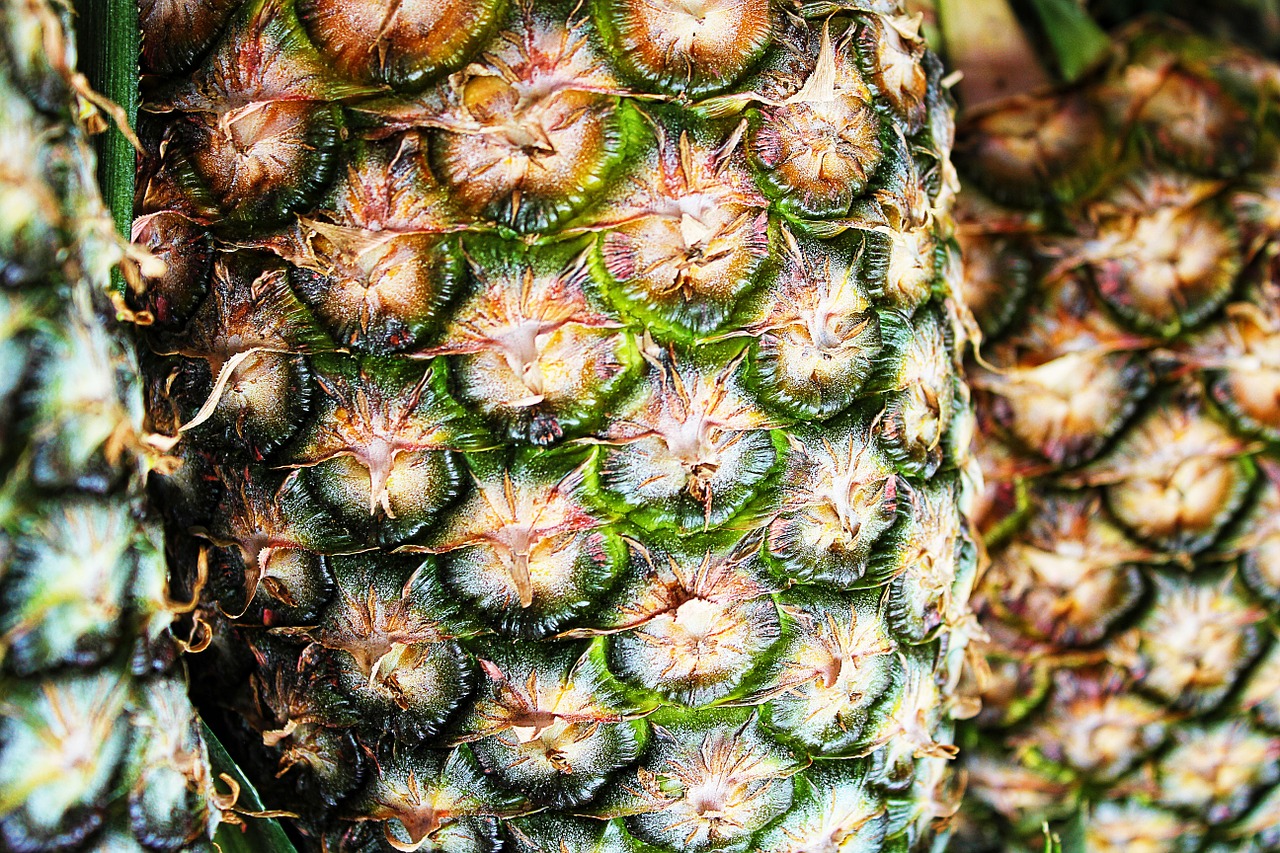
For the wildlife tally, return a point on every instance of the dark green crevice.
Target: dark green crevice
(255, 835)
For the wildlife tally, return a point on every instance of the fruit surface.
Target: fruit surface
(1121, 258)
(570, 413)
(99, 748)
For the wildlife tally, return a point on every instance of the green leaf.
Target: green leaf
(1078, 42)
(257, 835)
(109, 43)
(1073, 835)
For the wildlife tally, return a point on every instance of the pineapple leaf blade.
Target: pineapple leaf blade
(1078, 43)
(109, 42)
(256, 835)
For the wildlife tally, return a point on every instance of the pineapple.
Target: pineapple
(1121, 239)
(99, 748)
(570, 413)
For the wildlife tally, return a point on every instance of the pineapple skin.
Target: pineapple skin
(577, 463)
(571, 416)
(99, 745)
(1121, 245)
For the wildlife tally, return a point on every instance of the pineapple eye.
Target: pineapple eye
(1098, 726)
(822, 154)
(1262, 563)
(892, 59)
(906, 718)
(72, 573)
(534, 136)
(921, 402)
(1247, 386)
(250, 392)
(259, 162)
(710, 784)
(941, 559)
(1177, 478)
(537, 357)
(384, 639)
(1196, 641)
(546, 725)
(1216, 770)
(699, 650)
(997, 279)
(913, 268)
(378, 265)
(819, 338)
(378, 292)
(525, 550)
(327, 755)
(820, 147)
(688, 451)
(398, 490)
(835, 812)
(1262, 693)
(177, 32)
(683, 250)
(1030, 149)
(272, 547)
(431, 798)
(1055, 396)
(1191, 120)
(701, 623)
(1164, 262)
(1067, 408)
(1070, 577)
(840, 499)
(69, 728)
(690, 47)
(1259, 539)
(381, 450)
(187, 252)
(836, 662)
(406, 43)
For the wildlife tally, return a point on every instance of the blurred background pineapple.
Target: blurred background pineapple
(1120, 238)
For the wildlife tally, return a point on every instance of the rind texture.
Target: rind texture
(571, 417)
(1129, 411)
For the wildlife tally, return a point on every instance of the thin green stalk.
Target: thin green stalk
(109, 43)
